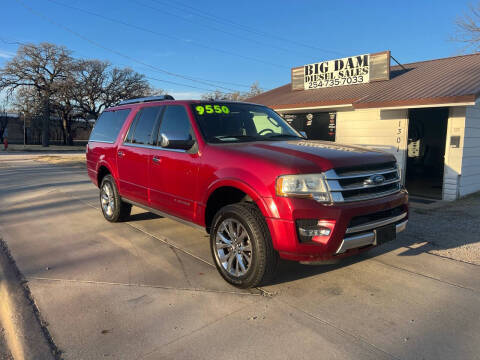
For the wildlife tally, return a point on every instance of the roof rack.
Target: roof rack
(147, 99)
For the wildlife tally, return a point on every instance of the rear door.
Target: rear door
(134, 154)
(101, 146)
(173, 173)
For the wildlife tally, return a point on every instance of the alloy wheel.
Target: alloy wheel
(233, 247)
(107, 199)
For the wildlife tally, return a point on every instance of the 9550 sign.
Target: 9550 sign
(212, 108)
(358, 79)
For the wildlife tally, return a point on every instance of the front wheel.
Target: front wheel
(113, 208)
(241, 246)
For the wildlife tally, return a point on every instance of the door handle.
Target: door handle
(120, 153)
(156, 159)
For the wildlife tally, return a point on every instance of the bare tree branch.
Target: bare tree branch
(468, 28)
(234, 96)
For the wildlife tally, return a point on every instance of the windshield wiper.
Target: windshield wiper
(283, 136)
(232, 137)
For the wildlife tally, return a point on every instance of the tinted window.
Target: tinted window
(144, 130)
(176, 123)
(108, 125)
(235, 122)
(131, 130)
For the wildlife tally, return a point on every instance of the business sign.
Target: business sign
(359, 69)
(346, 71)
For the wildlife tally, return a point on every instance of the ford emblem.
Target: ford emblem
(376, 179)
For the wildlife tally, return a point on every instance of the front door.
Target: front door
(173, 173)
(427, 131)
(134, 154)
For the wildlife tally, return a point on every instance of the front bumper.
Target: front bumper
(345, 240)
(369, 237)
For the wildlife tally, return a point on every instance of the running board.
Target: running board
(163, 214)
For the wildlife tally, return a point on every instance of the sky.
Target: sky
(189, 48)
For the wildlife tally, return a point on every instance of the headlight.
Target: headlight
(306, 186)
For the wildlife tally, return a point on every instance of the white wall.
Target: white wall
(470, 179)
(379, 129)
(453, 156)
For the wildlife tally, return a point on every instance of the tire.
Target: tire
(113, 208)
(236, 229)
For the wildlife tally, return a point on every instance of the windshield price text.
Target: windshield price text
(210, 109)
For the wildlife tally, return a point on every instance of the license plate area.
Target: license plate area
(385, 234)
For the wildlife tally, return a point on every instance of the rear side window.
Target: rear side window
(176, 124)
(144, 128)
(108, 125)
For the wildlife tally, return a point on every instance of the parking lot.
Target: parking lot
(147, 288)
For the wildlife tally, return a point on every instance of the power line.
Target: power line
(116, 52)
(14, 42)
(175, 83)
(242, 27)
(163, 12)
(164, 35)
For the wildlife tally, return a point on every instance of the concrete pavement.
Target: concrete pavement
(147, 289)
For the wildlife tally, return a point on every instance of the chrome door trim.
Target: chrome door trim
(153, 147)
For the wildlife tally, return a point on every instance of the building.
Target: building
(426, 113)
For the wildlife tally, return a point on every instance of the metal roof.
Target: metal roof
(441, 81)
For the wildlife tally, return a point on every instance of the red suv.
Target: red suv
(259, 188)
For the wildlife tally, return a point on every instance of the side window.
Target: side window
(144, 127)
(108, 125)
(175, 123)
(131, 130)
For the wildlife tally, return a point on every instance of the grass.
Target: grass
(71, 160)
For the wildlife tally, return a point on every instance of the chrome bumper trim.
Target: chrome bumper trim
(369, 238)
(375, 224)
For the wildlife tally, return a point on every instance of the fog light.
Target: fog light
(309, 230)
(320, 231)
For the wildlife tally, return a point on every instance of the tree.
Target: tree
(468, 28)
(234, 96)
(29, 105)
(41, 69)
(46, 80)
(99, 85)
(65, 108)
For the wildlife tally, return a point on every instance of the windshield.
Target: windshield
(236, 122)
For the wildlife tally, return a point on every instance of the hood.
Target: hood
(309, 155)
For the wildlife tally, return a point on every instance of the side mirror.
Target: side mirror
(164, 142)
(185, 144)
(304, 134)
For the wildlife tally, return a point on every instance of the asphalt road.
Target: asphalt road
(4, 351)
(146, 289)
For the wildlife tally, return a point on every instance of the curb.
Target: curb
(26, 338)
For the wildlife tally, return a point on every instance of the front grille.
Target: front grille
(363, 182)
(377, 216)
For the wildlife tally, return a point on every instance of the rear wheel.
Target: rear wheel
(113, 208)
(241, 246)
